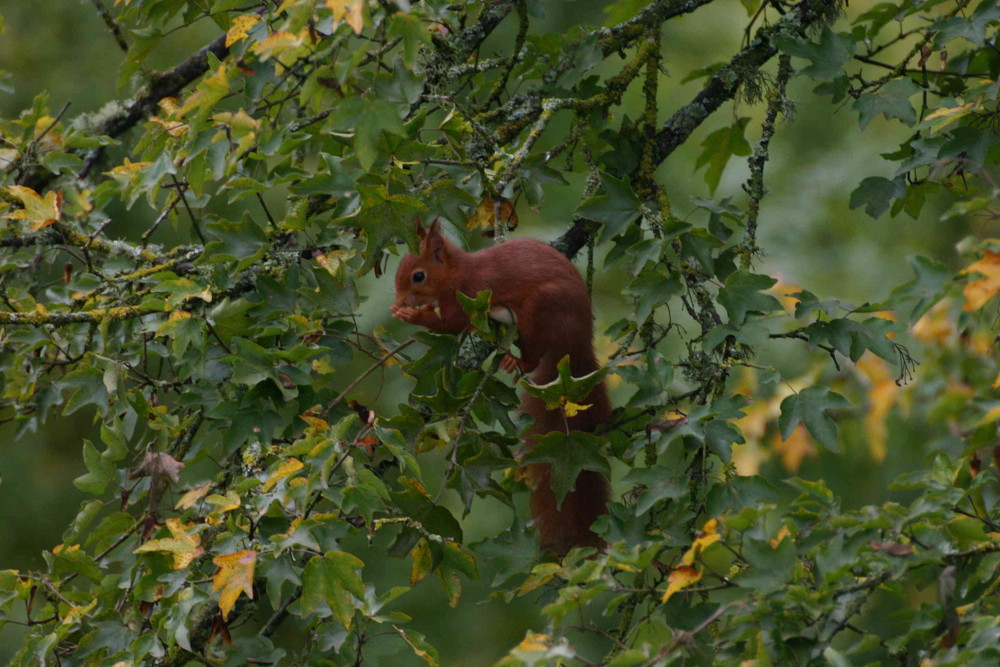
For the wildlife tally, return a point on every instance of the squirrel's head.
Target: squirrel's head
(425, 278)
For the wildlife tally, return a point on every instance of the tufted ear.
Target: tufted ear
(433, 244)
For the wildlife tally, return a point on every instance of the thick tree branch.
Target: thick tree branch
(743, 68)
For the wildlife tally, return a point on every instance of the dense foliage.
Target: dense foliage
(197, 266)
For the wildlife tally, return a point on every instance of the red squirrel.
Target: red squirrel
(538, 290)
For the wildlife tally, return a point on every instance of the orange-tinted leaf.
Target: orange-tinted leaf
(486, 214)
(39, 211)
(680, 578)
(978, 292)
(796, 448)
(235, 576)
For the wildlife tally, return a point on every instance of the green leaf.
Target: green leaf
(413, 32)
(809, 407)
(719, 147)
(332, 581)
(891, 100)
(742, 295)
(616, 206)
(101, 470)
(569, 454)
(383, 218)
(972, 29)
(565, 386)
(828, 57)
(876, 194)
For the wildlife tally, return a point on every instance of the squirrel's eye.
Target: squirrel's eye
(418, 276)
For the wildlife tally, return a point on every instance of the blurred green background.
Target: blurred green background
(810, 236)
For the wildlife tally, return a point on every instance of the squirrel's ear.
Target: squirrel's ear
(419, 226)
(433, 243)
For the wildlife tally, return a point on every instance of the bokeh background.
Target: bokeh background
(810, 236)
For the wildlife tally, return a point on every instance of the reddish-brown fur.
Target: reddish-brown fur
(552, 311)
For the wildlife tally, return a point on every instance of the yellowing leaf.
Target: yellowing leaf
(978, 292)
(991, 416)
(285, 468)
(881, 397)
(796, 448)
(281, 45)
(75, 612)
(534, 642)
(349, 11)
(209, 91)
(935, 326)
(783, 532)
(487, 212)
(333, 580)
(708, 536)
(183, 548)
(315, 422)
(127, 168)
(226, 503)
(39, 211)
(241, 24)
(680, 578)
(193, 496)
(423, 560)
(235, 576)
(571, 409)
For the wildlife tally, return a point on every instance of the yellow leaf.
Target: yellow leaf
(486, 214)
(935, 326)
(127, 168)
(279, 44)
(285, 468)
(423, 560)
(225, 503)
(209, 91)
(534, 642)
(540, 575)
(978, 292)
(796, 448)
(708, 536)
(680, 578)
(241, 24)
(76, 612)
(315, 422)
(235, 576)
(193, 496)
(991, 416)
(783, 532)
(882, 396)
(182, 548)
(350, 11)
(39, 211)
(571, 409)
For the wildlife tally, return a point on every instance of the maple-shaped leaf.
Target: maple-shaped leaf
(350, 12)
(383, 217)
(239, 29)
(332, 581)
(568, 454)
(182, 547)
(40, 211)
(978, 292)
(285, 468)
(235, 576)
(566, 389)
